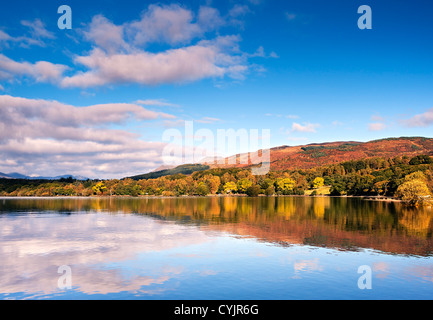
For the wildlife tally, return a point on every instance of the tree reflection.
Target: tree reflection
(344, 223)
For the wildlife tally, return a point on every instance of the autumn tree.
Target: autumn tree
(213, 183)
(230, 187)
(181, 187)
(285, 185)
(418, 175)
(111, 186)
(227, 177)
(99, 188)
(243, 185)
(414, 190)
(202, 189)
(270, 191)
(429, 176)
(253, 191)
(318, 182)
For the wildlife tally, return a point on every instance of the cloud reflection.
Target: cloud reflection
(95, 246)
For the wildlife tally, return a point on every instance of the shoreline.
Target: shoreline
(368, 198)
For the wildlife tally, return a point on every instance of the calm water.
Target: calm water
(214, 248)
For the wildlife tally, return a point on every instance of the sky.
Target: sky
(98, 99)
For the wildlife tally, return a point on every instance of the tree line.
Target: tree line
(409, 179)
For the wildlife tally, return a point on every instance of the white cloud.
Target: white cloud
(260, 53)
(119, 53)
(4, 36)
(182, 122)
(300, 19)
(156, 103)
(377, 126)
(169, 24)
(209, 19)
(307, 127)
(55, 112)
(41, 71)
(106, 35)
(288, 116)
(37, 29)
(377, 118)
(420, 120)
(172, 24)
(291, 16)
(173, 66)
(208, 120)
(119, 57)
(49, 137)
(37, 35)
(378, 123)
(239, 11)
(173, 123)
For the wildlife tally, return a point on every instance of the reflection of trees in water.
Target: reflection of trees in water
(341, 222)
(417, 222)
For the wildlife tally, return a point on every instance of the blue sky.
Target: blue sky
(129, 70)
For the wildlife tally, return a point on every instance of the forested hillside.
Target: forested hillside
(315, 155)
(402, 177)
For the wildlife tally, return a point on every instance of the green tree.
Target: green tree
(266, 183)
(270, 191)
(421, 159)
(202, 189)
(243, 185)
(253, 191)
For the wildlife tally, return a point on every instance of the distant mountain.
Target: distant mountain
(186, 169)
(66, 176)
(16, 175)
(4, 176)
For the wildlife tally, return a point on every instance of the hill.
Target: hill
(316, 155)
(183, 169)
(24, 177)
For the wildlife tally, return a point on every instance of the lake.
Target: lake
(231, 248)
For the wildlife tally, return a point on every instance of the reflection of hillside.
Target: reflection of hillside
(342, 223)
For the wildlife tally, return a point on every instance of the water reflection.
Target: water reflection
(32, 249)
(195, 247)
(343, 223)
